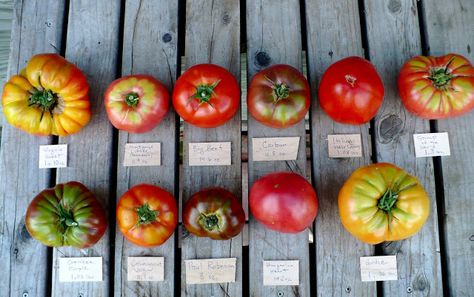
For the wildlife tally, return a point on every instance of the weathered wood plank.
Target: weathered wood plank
(333, 33)
(449, 28)
(270, 26)
(394, 37)
(149, 47)
(92, 43)
(213, 36)
(36, 28)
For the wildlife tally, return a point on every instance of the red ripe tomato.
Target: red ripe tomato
(136, 103)
(147, 215)
(279, 96)
(206, 95)
(437, 87)
(351, 91)
(283, 201)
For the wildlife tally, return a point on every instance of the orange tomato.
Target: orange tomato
(382, 202)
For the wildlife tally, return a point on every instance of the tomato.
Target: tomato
(206, 95)
(283, 201)
(382, 202)
(279, 96)
(351, 91)
(136, 103)
(48, 97)
(66, 215)
(437, 87)
(215, 213)
(147, 215)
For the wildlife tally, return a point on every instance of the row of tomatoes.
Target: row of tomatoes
(50, 96)
(377, 203)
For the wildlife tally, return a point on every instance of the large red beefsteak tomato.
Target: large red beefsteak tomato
(283, 201)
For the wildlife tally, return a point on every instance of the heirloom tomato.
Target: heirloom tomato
(279, 96)
(48, 97)
(66, 215)
(147, 215)
(206, 95)
(437, 87)
(382, 202)
(351, 91)
(136, 103)
(283, 201)
(215, 213)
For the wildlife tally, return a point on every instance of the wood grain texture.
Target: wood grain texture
(333, 33)
(267, 44)
(36, 28)
(213, 36)
(149, 47)
(450, 29)
(394, 37)
(92, 43)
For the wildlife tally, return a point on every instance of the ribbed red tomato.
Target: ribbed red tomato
(351, 91)
(283, 201)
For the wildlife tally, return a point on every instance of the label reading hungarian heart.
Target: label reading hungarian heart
(344, 146)
(431, 144)
(379, 268)
(82, 269)
(275, 148)
(210, 271)
(209, 154)
(53, 156)
(142, 154)
(146, 269)
(281, 273)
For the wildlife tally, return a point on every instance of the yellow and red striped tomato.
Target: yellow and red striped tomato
(147, 215)
(382, 202)
(48, 97)
(437, 87)
(136, 103)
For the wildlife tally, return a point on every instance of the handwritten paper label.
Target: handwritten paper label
(53, 156)
(209, 154)
(146, 269)
(210, 271)
(142, 154)
(380, 268)
(83, 269)
(431, 144)
(344, 146)
(281, 273)
(275, 148)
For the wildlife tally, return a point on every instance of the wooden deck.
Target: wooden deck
(108, 39)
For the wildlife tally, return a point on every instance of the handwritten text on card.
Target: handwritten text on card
(142, 154)
(281, 273)
(145, 269)
(431, 144)
(344, 146)
(53, 156)
(82, 269)
(210, 271)
(275, 148)
(379, 268)
(209, 154)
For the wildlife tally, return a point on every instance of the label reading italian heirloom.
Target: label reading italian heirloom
(210, 271)
(209, 154)
(344, 146)
(281, 273)
(380, 268)
(142, 154)
(275, 148)
(53, 156)
(82, 269)
(146, 269)
(431, 144)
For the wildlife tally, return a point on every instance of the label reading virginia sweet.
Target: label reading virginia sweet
(53, 156)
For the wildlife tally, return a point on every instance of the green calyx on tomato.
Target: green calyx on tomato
(281, 91)
(441, 76)
(204, 92)
(210, 222)
(388, 199)
(43, 99)
(146, 215)
(132, 99)
(66, 218)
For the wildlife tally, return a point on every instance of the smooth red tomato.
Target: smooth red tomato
(279, 96)
(215, 213)
(351, 91)
(206, 95)
(136, 103)
(437, 87)
(147, 215)
(283, 201)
